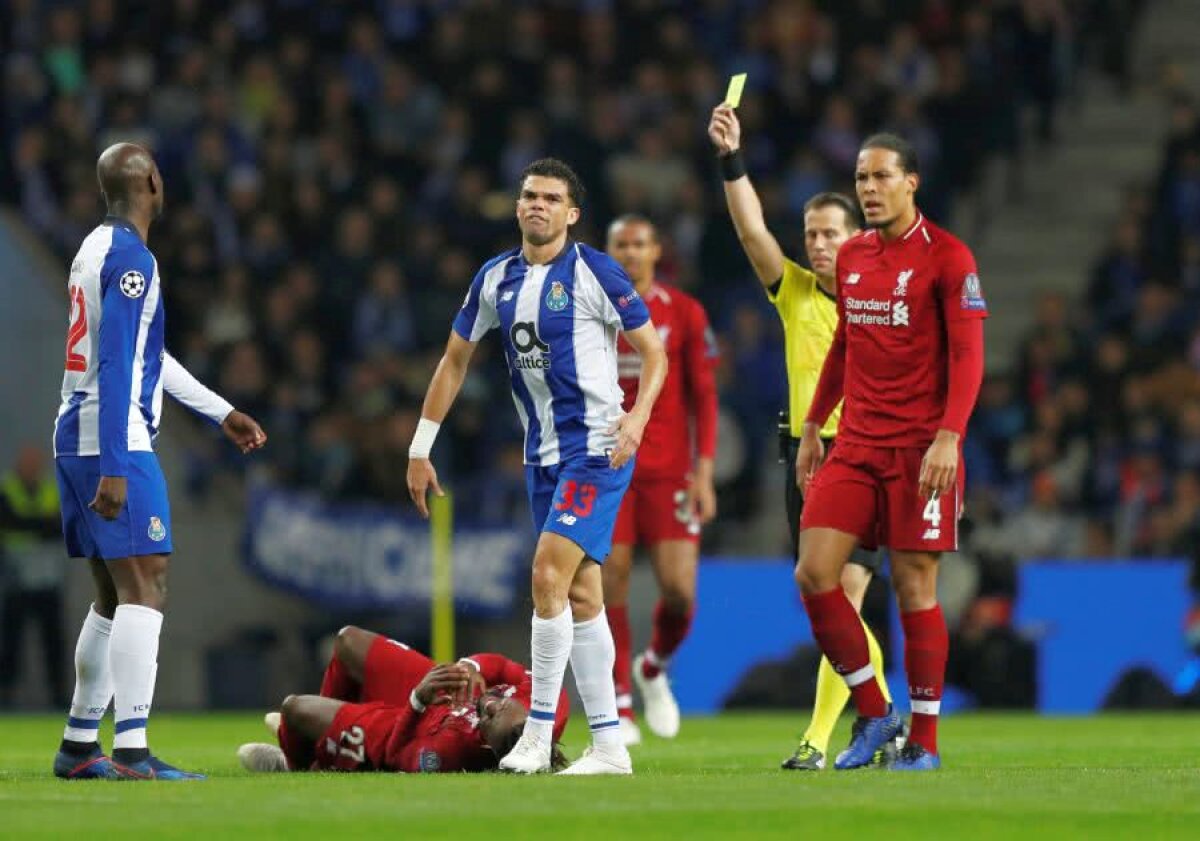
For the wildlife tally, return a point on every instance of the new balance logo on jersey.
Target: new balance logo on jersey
(852, 278)
(507, 296)
(931, 534)
(902, 279)
(900, 314)
(568, 519)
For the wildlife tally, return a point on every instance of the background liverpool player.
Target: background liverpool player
(908, 357)
(387, 707)
(807, 305)
(671, 494)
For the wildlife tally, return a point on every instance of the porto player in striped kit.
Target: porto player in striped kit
(115, 510)
(559, 306)
(908, 357)
(672, 493)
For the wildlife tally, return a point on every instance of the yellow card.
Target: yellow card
(733, 96)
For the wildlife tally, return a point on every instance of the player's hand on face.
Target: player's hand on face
(939, 468)
(442, 684)
(110, 496)
(809, 456)
(724, 130)
(422, 476)
(243, 431)
(474, 687)
(628, 429)
(702, 499)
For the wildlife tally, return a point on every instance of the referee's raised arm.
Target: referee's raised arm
(744, 206)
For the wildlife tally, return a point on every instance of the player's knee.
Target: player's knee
(344, 642)
(290, 709)
(677, 598)
(584, 606)
(547, 580)
(810, 578)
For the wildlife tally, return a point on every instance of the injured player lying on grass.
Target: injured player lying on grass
(385, 707)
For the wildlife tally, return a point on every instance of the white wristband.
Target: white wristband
(423, 438)
(472, 662)
(416, 702)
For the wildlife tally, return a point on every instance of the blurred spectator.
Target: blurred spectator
(33, 570)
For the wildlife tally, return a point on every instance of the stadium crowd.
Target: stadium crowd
(336, 171)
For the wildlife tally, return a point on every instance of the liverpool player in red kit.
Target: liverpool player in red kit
(385, 707)
(908, 359)
(671, 494)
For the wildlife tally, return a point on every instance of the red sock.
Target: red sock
(298, 750)
(338, 683)
(618, 622)
(840, 635)
(670, 630)
(926, 646)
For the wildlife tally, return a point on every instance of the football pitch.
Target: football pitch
(1004, 776)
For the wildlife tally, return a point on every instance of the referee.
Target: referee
(807, 305)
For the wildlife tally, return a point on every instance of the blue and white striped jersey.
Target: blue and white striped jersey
(112, 388)
(558, 323)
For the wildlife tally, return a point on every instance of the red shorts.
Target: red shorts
(872, 492)
(357, 739)
(653, 511)
(392, 671)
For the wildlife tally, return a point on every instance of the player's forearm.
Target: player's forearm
(964, 375)
(496, 669)
(760, 245)
(443, 388)
(654, 374)
(190, 392)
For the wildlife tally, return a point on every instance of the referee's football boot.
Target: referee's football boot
(806, 758)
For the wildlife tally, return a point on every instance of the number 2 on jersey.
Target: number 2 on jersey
(77, 330)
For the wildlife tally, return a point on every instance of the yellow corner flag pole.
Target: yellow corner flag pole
(441, 532)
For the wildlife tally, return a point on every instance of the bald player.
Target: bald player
(115, 511)
(807, 304)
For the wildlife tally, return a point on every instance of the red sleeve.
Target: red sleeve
(700, 356)
(833, 373)
(497, 669)
(964, 309)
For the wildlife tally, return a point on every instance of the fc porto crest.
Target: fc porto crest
(157, 530)
(556, 298)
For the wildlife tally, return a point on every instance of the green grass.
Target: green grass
(1005, 776)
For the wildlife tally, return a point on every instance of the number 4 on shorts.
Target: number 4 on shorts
(933, 516)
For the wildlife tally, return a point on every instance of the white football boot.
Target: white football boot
(262, 758)
(659, 705)
(600, 759)
(530, 755)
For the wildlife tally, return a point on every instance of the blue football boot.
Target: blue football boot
(92, 765)
(868, 737)
(153, 768)
(913, 757)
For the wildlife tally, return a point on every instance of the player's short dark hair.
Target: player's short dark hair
(635, 219)
(554, 168)
(840, 201)
(905, 151)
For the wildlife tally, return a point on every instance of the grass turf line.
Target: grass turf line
(1004, 776)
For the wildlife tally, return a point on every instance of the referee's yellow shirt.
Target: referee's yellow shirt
(809, 316)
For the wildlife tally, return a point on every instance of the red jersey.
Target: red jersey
(445, 738)
(687, 404)
(902, 306)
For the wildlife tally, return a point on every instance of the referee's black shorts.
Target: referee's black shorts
(794, 501)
